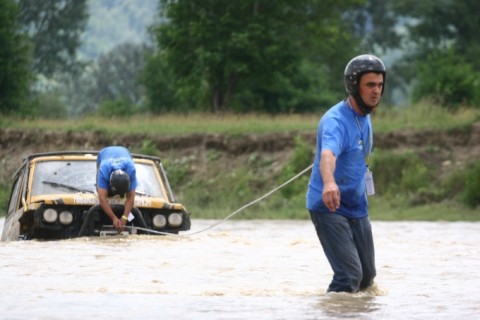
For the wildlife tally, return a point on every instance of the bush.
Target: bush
(116, 108)
(149, 148)
(472, 186)
(47, 105)
(396, 174)
(5, 190)
(454, 185)
(218, 195)
(4, 196)
(302, 158)
(179, 171)
(447, 79)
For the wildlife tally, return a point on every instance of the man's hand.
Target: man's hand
(119, 224)
(331, 196)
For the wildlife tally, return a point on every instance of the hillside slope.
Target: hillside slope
(441, 149)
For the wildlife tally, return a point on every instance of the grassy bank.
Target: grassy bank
(421, 116)
(407, 189)
(276, 206)
(175, 124)
(215, 184)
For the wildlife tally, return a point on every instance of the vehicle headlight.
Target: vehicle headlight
(65, 217)
(175, 220)
(159, 221)
(50, 215)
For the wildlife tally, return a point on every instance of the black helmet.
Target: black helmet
(354, 71)
(119, 182)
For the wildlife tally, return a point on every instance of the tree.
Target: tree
(447, 45)
(14, 60)
(112, 22)
(375, 23)
(215, 47)
(118, 73)
(114, 77)
(159, 82)
(55, 28)
(447, 79)
(436, 25)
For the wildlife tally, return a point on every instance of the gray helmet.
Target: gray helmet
(119, 182)
(360, 65)
(353, 73)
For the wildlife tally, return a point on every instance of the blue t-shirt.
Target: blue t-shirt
(114, 158)
(349, 136)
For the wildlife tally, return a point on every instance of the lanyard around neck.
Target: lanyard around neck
(365, 151)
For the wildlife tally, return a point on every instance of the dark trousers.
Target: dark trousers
(348, 246)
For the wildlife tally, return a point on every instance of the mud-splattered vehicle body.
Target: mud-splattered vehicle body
(54, 197)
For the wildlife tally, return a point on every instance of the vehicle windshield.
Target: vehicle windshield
(79, 176)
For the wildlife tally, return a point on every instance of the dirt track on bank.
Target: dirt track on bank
(455, 147)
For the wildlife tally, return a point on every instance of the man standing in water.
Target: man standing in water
(340, 179)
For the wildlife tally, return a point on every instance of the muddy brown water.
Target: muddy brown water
(241, 269)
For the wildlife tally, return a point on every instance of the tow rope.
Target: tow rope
(231, 214)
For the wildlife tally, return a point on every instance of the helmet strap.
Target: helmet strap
(361, 105)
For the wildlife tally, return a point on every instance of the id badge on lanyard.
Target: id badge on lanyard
(369, 183)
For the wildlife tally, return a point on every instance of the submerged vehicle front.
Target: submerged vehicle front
(54, 197)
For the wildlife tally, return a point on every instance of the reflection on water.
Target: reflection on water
(337, 305)
(241, 270)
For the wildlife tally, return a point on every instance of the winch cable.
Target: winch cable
(231, 214)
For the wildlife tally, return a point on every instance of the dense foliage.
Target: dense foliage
(443, 62)
(55, 27)
(215, 55)
(288, 56)
(14, 59)
(251, 55)
(217, 163)
(125, 62)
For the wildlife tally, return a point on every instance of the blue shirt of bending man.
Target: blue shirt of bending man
(116, 175)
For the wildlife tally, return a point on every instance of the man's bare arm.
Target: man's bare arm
(330, 193)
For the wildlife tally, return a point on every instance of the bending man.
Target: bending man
(116, 176)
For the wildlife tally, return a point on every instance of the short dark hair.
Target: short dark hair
(119, 182)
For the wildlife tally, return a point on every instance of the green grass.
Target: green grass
(423, 116)
(382, 210)
(223, 191)
(386, 119)
(176, 124)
